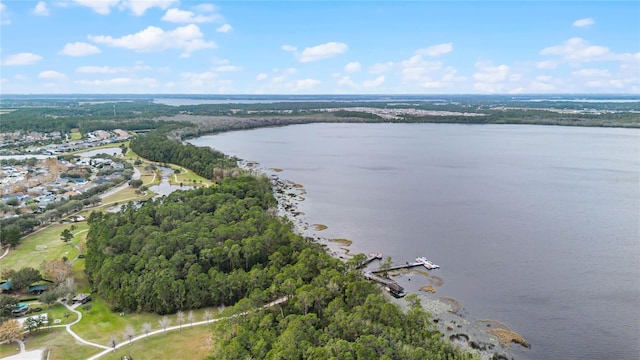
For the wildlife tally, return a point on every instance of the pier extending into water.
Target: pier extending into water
(393, 287)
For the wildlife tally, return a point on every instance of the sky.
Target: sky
(319, 47)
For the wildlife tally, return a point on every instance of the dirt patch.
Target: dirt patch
(506, 337)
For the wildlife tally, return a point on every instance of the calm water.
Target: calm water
(537, 227)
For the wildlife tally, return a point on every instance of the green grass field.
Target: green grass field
(60, 344)
(171, 345)
(42, 246)
(99, 323)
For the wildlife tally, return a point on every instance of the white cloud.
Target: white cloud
(589, 73)
(4, 15)
(19, 77)
(122, 84)
(111, 70)
(205, 8)
(586, 22)
(278, 79)
(51, 74)
(352, 67)
(205, 81)
(139, 7)
(41, 9)
(543, 83)
(576, 50)
(322, 51)
(262, 76)
(98, 70)
(380, 68)
(490, 74)
(306, 84)
(25, 58)
(289, 48)
(224, 28)
(188, 38)
(102, 7)
(346, 81)
(436, 50)
(547, 64)
(416, 69)
(79, 49)
(374, 83)
(227, 68)
(184, 16)
(493, 79)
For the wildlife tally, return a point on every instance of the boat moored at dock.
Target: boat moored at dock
(428, 264)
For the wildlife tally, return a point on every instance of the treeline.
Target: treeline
(336, 316)
(156, 146)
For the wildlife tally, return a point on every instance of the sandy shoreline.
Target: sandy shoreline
(449, 317)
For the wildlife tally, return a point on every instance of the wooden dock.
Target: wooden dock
(371, 257)
(408, 265)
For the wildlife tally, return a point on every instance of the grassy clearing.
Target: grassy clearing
(188, 177)
(42, 246)
(99, 323)
(123, 196)
(169, 346)
(106, 146)
(9, 349)
(61, 345)
(75, 134)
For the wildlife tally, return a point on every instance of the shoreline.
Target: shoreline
(448, 316)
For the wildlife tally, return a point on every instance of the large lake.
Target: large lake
(534, 226)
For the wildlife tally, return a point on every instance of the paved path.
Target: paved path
(179, 327)
(6, 251)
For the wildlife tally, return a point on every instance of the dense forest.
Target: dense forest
(222, 246)
(156, 146)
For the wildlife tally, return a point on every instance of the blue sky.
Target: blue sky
(319, 47)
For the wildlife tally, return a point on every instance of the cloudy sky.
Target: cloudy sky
(319, 47)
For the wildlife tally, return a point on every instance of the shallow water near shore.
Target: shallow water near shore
(536, 227)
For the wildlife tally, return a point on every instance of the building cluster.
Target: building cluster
(398, 114)
(20, 142)
(33, 184)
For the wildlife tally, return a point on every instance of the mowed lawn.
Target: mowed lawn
(61, 345)
(188, 343)
(44, 245)
(99, 323)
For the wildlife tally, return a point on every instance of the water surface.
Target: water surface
(537, 227)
